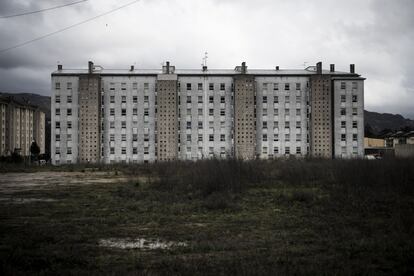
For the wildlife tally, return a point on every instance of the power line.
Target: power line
(42, 10)
(66, 28)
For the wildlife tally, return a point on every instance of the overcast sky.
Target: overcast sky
(376, 35)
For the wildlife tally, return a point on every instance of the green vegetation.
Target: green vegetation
(260, 217)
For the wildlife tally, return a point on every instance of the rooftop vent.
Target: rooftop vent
(352, 68)
(332, 68)
(60, 67)
(277, 68)
(319, 67)
(90, 67)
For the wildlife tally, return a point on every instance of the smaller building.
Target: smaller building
(402, 142)
(374, 143)
(20, 125)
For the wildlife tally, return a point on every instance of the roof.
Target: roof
(209, 72)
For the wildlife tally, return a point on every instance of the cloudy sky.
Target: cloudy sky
(376, 35)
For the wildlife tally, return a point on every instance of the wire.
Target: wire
(66, 28)
(42, 10)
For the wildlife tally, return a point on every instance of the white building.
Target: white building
(138, 115)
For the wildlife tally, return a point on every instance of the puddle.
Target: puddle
(15, 200)
(143, 244)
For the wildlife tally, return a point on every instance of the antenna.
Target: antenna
(205, 59)
(304, 64)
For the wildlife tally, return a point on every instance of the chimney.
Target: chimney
(60, 67)
(204, 68)
(352, 68)
(132, 68)
(168, 67)
(277, 68)
(332, 68)
(319, 68)
(243, 67)
(90, 67)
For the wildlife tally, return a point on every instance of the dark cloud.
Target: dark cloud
(377, 35)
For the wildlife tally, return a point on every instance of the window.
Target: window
(264, 111)
(298, 86)
(188, 111)
(354, 137)
(298, 99)
(265, 86)
(298, 150)
(222, 99)
(112, 150)
(188, 125)
(200, 99)
(57, 150)
(298, 137)
(276, 150)
(112, 99)
(264, 150)
(123, 137)
(211, 138)
(354, 124)
(354, 98)
(69, 112)
(211, 86)
(134, 150)
(135, 99)
(188, 137)
(264, 99)
(146, 112)
(69, 137)
(287, 124)
(354, 85)
(123, 98)
(287, 99)
(200, 111)
(57, 138)
(200, 125)
(188, 86)
(354, 111)
(343, 137)
(264, 125)
(200, 137)
(146, 85)
(134, 85)
(135, 111)
(287, 137)
(287, 150)
(276, 112)
(57, 85)
(222, 86)
(343, 124)
(57, 99)
(276, 137)
(200, 86)
(112, 111)
(188, 99)
(69, 98)
(57, 111)
(123, 111)
(134, 137)
(123, 86)
(343, 112)
(211, 112)
(298, 124)
(69, 124)
(123, 124)
(222, 137)
(211, 99)
(264, 137)
(343, 85)
(275, 86)
(287, 111)
(123, 150)
(297, 111)
(287, 86)
(69, 86)
(112, 137)
(222, 112)
(111, 124)
(146, 99)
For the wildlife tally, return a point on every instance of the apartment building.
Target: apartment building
(20, 125)
(141, 115)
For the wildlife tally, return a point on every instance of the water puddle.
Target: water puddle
(143, 244)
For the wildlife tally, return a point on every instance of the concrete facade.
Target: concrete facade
(168, 114)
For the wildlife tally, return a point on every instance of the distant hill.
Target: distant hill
(43, 102)
(378, 122)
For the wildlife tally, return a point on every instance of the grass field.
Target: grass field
(210, 217)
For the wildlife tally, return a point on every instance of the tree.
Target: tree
(34, 150)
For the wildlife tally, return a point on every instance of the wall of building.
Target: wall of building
(374, 143)
(348, 118)
(404, 150)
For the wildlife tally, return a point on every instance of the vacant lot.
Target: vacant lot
(210, 217)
